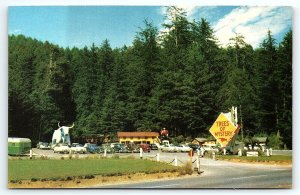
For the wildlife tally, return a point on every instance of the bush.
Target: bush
(44, 157)
(186, 169)
(89, 177)
(116, 156)
(130, 157)
(275, 141)
(34, 179)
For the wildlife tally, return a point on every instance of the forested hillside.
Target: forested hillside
(180, 80)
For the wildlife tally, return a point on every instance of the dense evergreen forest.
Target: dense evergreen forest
(180, 80)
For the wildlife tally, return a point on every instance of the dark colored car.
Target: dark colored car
(153, 147)
(145, 147)
(194, 146)
(93, 148)
(108, 148)
(120, 148)
(133, 148)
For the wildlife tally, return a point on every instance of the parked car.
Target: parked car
(78, 148)
(108, 148)
(120, 148)
(153, 147)
(145, 147)
(210, 148)
(133, 148)
(183, 148)
(194, 146)
(168, 148)
(61, 148)
(92, 148)
(43, 146)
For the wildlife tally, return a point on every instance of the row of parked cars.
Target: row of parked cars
(93, 148)
(122, 148)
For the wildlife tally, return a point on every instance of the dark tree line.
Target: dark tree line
(180, 80)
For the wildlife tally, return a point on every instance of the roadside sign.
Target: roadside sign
(223, 130)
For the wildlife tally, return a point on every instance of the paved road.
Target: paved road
(220, 174)
(217, 174)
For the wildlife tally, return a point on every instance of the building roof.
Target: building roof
(17, 139)
(200, 139)
(138, 134)
(261, 139)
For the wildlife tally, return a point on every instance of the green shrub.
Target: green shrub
(44, 157)
(34, 179)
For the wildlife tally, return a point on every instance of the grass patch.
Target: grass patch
(49, 169)
(274, 158)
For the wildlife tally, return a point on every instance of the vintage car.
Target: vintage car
(61, 148)
(43, 146)
(78, 148)
(145, 147)
(92, 148)
(169, 148)
(183, 148)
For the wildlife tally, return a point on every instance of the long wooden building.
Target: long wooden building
(138, 137)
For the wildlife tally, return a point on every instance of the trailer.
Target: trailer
(18, 146)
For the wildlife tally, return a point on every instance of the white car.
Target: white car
(210, 148)
(43, 146)
(61, 148)
(78, 148)
(168, 148)
(183, 148)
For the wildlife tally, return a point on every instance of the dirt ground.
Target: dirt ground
(97, 181)
(259, 162)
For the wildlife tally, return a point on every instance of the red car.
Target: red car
(145, 147)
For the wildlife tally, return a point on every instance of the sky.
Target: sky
(79, 26)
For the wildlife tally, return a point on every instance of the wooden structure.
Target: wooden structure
(138, 137)
(204, 141)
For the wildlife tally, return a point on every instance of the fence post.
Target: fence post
(141, 153)
(213, 155)
(157, 157)
(271, 151)
(224, 151)
(268, 152)
(198, 164)
(176, 163)
(105, 152)
(240, 152)
(30, 153)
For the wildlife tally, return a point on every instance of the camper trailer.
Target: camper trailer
(18, 146)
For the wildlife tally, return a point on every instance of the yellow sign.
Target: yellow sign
(223, 130)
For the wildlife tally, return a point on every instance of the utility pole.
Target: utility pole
(242, 131)
(241, 122)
